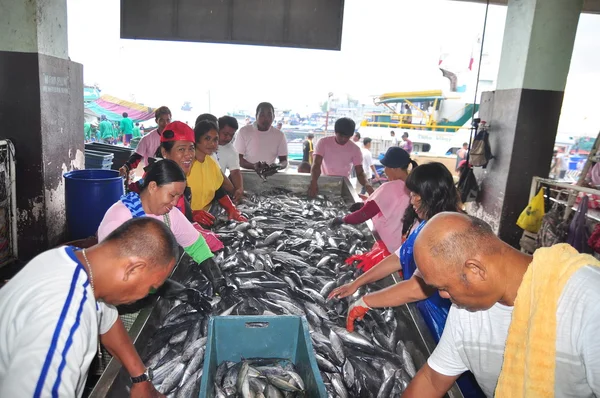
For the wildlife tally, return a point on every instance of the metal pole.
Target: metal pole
(328, 108)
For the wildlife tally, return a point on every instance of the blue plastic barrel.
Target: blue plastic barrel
(88, 195)
(573, 160)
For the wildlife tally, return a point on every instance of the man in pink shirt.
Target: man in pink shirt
(335, 156)
(261, 143)
(149, 143)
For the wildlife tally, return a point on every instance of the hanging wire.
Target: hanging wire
(487, 7)
(473, 128)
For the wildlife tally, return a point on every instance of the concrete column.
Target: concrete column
(524, 110)
(41, 111)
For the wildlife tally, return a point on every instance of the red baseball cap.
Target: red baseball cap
(177, 131)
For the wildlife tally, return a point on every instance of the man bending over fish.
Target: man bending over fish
(526, 326)
(335, 156)
(52, 311)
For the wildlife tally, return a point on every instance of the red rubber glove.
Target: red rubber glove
(356, 311)
(212, 239)
(232, 212)
(368, 260)
(203, 217)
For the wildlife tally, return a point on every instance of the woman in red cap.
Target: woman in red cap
(205, 178)
(177, 143)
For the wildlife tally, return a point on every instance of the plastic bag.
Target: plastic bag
(578, 230)
(531, 218)
(553, 229)
(467, 185)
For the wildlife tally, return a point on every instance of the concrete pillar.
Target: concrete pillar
(524, 110)
(41, 111)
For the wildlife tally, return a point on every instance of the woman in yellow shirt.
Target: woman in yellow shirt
(205, 178)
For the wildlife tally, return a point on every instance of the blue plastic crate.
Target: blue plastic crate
(231, 338)
(99, 155)
(97, 166)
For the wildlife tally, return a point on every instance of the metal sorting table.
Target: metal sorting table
(114, 381)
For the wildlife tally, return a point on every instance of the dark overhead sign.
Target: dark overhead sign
(284, 23)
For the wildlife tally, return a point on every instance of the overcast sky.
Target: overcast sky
(387, 45)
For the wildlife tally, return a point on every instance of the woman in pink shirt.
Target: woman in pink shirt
(177, 143)
(386, 206)
(163, 185)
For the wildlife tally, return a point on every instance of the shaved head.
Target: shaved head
(458, 254)
(452, 237)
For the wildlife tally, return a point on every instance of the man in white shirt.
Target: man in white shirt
(227, 156)
(394, 139)
(260, 142)
(53, 310)
(461, 257)
(562, 160)
(368, 165)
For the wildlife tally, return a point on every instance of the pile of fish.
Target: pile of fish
(258, 377)
(286, 260)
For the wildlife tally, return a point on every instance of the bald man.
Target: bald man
(53, 310)
(461, 257)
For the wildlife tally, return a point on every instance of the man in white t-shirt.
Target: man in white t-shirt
(393, 138)
(260, 142)
(562, 163)
(368, 164)
(53, 310)
(461, 257)
(227, 156)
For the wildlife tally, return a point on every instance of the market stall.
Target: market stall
(411, 329)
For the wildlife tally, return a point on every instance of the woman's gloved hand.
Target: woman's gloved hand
(232, 212)
(212, 239)
(174, 290)
(203, 217)
(336, 222)
(356, 311)
(356, 206)
(368, 260)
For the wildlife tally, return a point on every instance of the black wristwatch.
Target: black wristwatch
(146, 376)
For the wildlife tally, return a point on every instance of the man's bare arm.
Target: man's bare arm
(429, 384)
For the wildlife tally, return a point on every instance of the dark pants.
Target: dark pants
(562, 174)
(127, 139)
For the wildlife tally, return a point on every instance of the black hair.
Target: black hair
(465, 143)
(366, 141)
(203, 127)
(405, 134)
(228, 121)
(264, 105)
(146, 238)
(162, 173)
(392, 132)
(310, 135)
(163, 110)
(345, 126)
(357, 134)
(125, 114)
(167, 146)
(434, 183)
(207, 116)
(137, 123)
